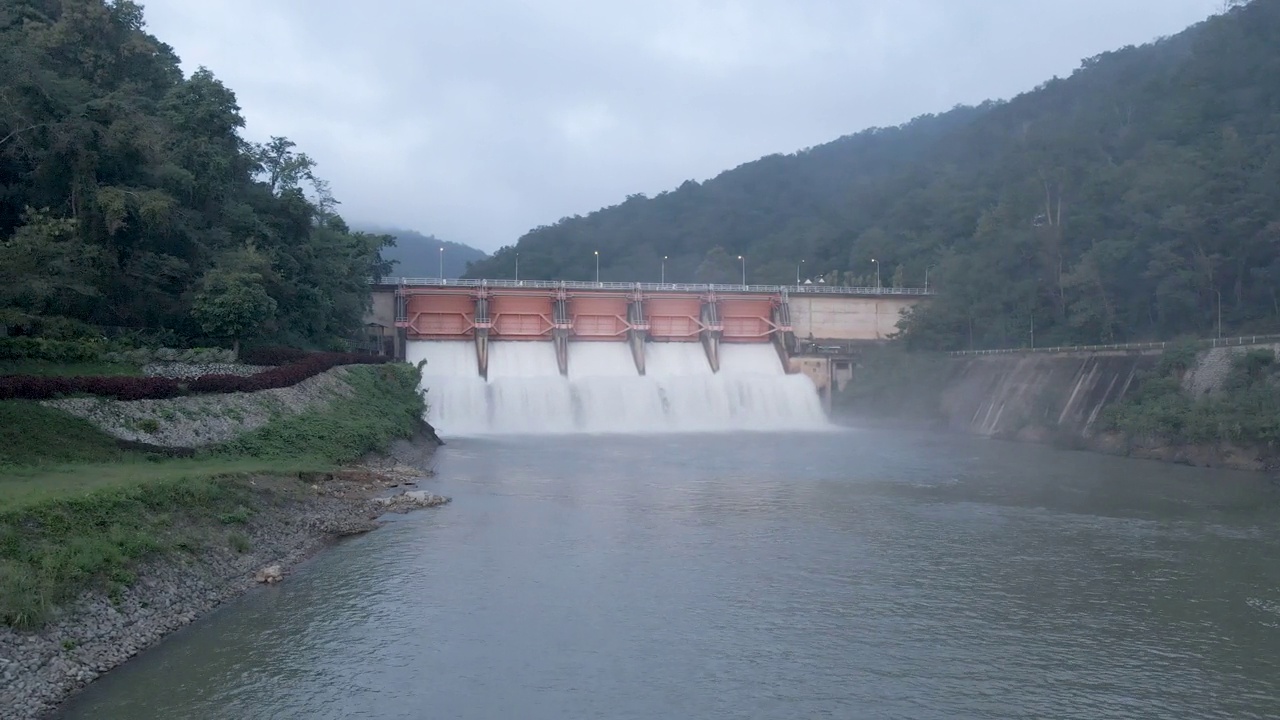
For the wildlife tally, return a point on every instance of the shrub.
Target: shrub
(271, 355)
(27, 348)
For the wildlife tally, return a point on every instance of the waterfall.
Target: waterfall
(525, 393)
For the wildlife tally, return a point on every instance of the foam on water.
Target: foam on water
(525, 393)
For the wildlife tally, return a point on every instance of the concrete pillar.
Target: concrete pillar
(561, 328)
(783, 338)
(711, 332)
(483, 325)
(638, 332)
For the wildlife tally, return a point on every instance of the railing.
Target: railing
(1209, 343)
(676, 287)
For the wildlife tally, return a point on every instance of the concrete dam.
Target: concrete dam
(554, 357)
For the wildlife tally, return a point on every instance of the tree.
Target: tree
(719, 268)
(233, 305)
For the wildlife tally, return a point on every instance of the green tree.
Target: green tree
(233, 305)
(719, 268)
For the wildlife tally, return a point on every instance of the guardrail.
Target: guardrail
(676, 287)
(1209, 343)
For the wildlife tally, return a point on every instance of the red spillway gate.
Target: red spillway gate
(599, 317)
(747, 319)
(674, 318)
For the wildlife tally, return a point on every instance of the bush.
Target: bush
(27, 348)
(271, 355)
(33, 387)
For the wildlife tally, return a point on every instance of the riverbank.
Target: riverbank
(107, 544)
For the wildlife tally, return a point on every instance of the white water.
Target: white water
(526, 394)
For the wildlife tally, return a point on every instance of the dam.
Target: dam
(541, 357)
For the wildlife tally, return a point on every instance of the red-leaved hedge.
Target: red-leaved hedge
(35, 387)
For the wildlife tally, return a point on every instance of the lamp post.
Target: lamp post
(744, 270)
(1219, 292)
(597, 267)
(798, 272)
(926, 278)
(442, 264)
(517, 267)
(663, 277)
(873, 262)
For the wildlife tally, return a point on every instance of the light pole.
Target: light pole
(517, 267)
(798, 272)
(663, 277)
(597, 267)
(926, 278)
(1219, 292)
(744, 270)
(441, 264)
(873, 262)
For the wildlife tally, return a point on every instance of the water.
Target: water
(841, 574)
(604, 393)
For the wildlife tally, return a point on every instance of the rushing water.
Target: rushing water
(841, 574)
(603, 392)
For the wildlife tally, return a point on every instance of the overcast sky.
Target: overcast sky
(477, 120)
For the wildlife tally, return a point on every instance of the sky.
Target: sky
(478, 120)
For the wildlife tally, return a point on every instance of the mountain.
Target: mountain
(418, 255)
(1138, 198)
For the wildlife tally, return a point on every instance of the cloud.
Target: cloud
(478, 121)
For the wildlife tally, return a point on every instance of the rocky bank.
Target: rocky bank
(39, 670)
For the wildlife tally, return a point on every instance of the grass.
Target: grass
(44, 367)
(77, 512)
(34, 435)
(1245, 410)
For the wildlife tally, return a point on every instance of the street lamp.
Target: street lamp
(663, 276)
(517, 267)
(1219, 292)
(926, 278)
(744, 270)
(873, 262)
(442, 264)
(798, 272)
(597, 267)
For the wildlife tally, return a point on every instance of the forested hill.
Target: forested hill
(1131, 200)
(129, 199)
(418, 255)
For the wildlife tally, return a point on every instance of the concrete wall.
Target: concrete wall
(1002, 396)
(847, 318)
(383, 311)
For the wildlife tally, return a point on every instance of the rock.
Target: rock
(411, 500)
(269, 574)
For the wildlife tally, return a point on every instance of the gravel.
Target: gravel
(194, 421)
(188, 371)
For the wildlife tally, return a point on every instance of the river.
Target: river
(857, 573)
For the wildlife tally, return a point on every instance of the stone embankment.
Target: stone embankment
(39, 670)
(195, 421)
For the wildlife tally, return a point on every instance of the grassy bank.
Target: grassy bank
(77, 512)
(1245, 411)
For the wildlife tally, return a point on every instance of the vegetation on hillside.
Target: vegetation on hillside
(1135, 199)
(129, 199)
(1244, 411)
(418, 255)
